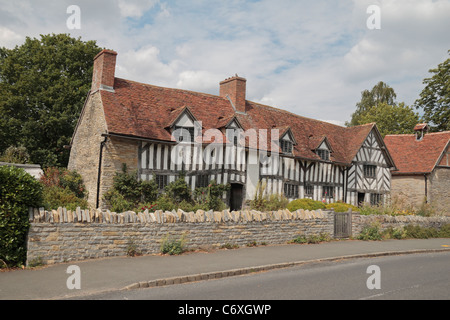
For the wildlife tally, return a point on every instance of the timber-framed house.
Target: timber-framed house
(164, 132)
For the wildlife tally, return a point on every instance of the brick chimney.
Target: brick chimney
(234, 89)
(104, 71)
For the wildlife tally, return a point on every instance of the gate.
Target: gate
(343, 224)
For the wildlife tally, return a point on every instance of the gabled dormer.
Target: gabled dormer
(185, 127)
(233, 129)
(287, 141)
(322, 147)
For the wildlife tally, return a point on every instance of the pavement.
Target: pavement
(130, 273)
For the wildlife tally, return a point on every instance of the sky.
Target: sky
(312, 58)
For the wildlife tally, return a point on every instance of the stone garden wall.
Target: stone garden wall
(63, 235)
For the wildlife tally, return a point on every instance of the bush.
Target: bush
(306, 204)
(63, 188)
(264, 202)
(55, 197)
(173, 246)
(370, 232)
(341, 207)
(18, 192)
(128, 193)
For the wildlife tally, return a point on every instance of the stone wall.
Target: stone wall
(439, 194)
(63, 235)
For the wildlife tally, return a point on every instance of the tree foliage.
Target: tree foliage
(380, 93)
(435, 98)
(18, 191)
(43, 86)
(392, 119)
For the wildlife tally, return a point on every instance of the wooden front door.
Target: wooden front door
(236, 197)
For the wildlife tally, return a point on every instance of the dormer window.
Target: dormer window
(286, 146)
(324, 154)
(184, 134)
(287, 141)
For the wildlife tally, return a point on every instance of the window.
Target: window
(286, 146)
(161, 181)
(370, 171)
(291, 190)
(375, 199)
(184, 134)
(309, 190)
(323, 154)
(328, 192)
(202, 181)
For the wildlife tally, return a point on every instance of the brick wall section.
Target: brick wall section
(62, 235)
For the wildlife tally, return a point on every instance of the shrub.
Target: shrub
(173, 246)
(341, 207)
(128, 193)
(55, 197)
(370, 232)
(18, 192)
(210, 197)
(63, 188)
(306, 204)
(15, 154)
(264, 202)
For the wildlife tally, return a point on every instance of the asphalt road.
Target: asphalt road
(415, 276)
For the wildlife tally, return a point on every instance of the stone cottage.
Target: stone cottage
(423, 162)
(165, 132)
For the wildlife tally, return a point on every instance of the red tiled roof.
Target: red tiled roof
(416, 156)
(147, 111)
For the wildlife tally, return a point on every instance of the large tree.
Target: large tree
(435, 98)
(43, 86)
(392, 119)
(380, 93)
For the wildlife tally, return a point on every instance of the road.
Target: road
(410, 277)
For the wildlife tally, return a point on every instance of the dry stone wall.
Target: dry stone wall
(63, 235)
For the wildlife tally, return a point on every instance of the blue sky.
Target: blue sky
(312, 58)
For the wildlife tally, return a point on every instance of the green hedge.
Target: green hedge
(306, 204)
(18, 192)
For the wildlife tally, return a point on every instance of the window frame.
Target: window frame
(162, 181)
(291, 190)
(326, 193)
(309, 187)
(286, 146)
(324, 154)
(370, 171)
(190, 130)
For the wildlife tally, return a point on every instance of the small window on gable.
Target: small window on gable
(286, 146)
(370, 171)
(324, 154)
(184, 134)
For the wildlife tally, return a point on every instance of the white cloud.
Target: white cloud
(310, 57)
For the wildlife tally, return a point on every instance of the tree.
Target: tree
(380, 93)
(392, 119)
(435, 98)
(43, 86)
